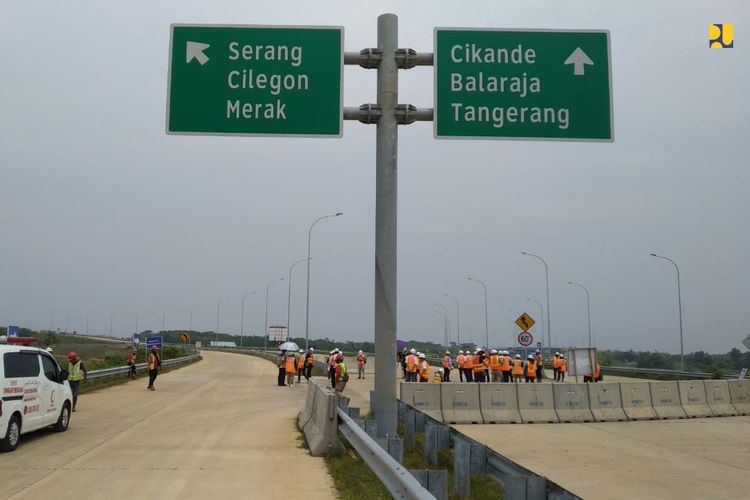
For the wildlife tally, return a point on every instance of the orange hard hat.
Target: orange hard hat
(72, 356)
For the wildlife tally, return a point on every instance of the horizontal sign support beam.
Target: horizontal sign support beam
(405, 114)
(405, 58)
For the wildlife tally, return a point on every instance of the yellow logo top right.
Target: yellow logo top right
(721, 36)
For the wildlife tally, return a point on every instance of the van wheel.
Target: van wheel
(12, 435)
(64, 420)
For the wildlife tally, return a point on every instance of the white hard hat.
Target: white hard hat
(49, 349)
(518, 356)
(530, 356)
(412, 351)
(557, 354)
(460, 352)
(336, 349)
(360, 352)
(301, 350)
(441, 371)
(312, 349)
(562, 355)
(493, 351)
(447, 352)
(422, 356)
(507, 353)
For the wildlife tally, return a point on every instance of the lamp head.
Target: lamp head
(653, 255)
(338, 213)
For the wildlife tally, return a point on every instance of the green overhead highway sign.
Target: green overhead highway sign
(255, 80)
(523, 84)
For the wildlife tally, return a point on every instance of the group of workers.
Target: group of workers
(497, 366)
(302, 363)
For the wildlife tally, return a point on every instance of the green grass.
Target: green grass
(353, 478)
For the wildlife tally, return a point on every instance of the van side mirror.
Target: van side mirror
(63, 376)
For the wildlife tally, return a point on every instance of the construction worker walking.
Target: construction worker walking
(153, 362)
(300, 365)
(76, 374)
(309, 363)
(447, 367)
(361, 362)
(132, 361)
(342, 376)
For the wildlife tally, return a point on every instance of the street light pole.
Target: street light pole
(307, 300)
(265, 322)
(486, 328)
(445, 322)
(588, 306)
(458, 319)
(679, 306)
(87, 322)
(111, 316)
(546, 277)
(242, 320)
(289, 300)
(163, 318)
(541, 320)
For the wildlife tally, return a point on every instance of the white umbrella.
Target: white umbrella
(289, 346)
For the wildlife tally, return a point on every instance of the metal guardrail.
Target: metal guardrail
(124, 370)
(629, 370)
(395, 477)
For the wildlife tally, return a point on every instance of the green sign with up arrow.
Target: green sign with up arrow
(523, 84)
(256, 80)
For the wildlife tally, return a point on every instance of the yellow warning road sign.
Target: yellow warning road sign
(525, 322)
(185, 337)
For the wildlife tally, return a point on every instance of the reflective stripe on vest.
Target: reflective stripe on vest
(517, 367)
(152, 362)
(531, 368)
(495, 363)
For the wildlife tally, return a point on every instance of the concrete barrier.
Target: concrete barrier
(665, 398)
(605, 402)
(693, 398)
(423, 397)
(460, 403)
(718, 399)
(739, 392)
(321, 430)
(636, 401)
(499, 403)
(572, 402)
(307, 409)
(536, 403)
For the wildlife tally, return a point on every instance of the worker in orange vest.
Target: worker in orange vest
(342, 376)
(530, 369)
(505, 363)
(517, 369)
(290, 368)
(153, 362)
(361, 362)
(300, 365)
(495, 366)
(563, 368)
(424, 369)
(556, 366)
(460, 365)
(411, 366)
(469, 367)
(309, 363)
(539, 366)
(597, 372)
(479, 367)
(447, 365)
(132, 361)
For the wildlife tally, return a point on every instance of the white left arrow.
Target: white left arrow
(578, 58)
(195, 51)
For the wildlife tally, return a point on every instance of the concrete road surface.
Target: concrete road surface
(217, 429)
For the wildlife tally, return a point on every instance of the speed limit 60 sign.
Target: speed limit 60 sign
(525, 339)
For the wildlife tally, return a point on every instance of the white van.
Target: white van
(35, 394)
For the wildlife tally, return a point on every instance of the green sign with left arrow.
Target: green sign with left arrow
(256, 80)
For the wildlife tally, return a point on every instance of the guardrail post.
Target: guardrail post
(462, 468)
(370, 428)
(354, 412)
(401, 410)
(515, 488)
(430, 443)
(437, 483)
(396, 448)
(478, 458)
(419, 422)
(444, 437)
(409, 429)
(536, 488)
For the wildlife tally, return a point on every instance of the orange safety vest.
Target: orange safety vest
(290, 365)
(505, 364)
(556, 362)
(597, 371)
(131, 358)
(530, 368)
(447, 361)
(469, 362)
(479, 365)
(517, 367)
(332, 360)
(361, 359)
(495, 363)
(460, 359)
(563, 365)
(411, 363)
(539, 361)
(153, 362)
(310, 359)
(301, 361)
(424, 370)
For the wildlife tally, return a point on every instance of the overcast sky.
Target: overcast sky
(103, 213)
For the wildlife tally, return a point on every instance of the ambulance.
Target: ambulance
(35, 393)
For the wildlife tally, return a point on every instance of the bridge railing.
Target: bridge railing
(124, 370)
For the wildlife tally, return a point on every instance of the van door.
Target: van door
(51, 398)
(22, 370)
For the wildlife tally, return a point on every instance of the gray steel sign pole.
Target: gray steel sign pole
(546, 277)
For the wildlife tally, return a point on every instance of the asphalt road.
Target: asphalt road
(220, 428)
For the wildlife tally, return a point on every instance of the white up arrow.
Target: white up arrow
(578, 58)
(195, 51)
